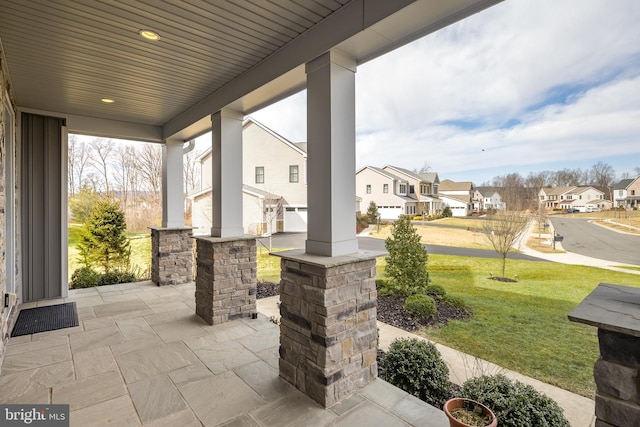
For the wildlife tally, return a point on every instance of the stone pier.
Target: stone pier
(171, 255)
(328, 330)
(615, 311)
(225, 278)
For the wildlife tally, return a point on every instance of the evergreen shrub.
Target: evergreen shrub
(416, 367)
(420, 306)
(514, 403)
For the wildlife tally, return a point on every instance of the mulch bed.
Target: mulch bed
(266, 289)
(390, 310)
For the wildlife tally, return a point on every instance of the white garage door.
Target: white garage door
(295, 219)
(390, 212)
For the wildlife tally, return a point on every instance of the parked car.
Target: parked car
(570, 210)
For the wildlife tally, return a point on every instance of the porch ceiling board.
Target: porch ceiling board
(64, 56)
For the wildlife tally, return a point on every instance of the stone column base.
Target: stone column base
(226, 278)
(613, 309)
(171, 255)
(328, 330)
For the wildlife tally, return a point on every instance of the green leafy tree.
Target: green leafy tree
(83, 203)
(407, 260)
(372, 212)
(103, 240)
(446, 212)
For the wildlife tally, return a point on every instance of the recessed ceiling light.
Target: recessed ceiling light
(149, 35)
(107, 100)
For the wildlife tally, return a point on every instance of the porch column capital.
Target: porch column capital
(172, 183)
(226, 144)
(331, 136)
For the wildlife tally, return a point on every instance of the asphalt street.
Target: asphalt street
(582, 237)
(296, 241)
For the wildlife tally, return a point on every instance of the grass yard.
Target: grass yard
(140, 251)
(268, 265)
(523, 326)
(460, 237)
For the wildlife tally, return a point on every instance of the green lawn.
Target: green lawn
(140, 251)
(523, 326)
(269, 265)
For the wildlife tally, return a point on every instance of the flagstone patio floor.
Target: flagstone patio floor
(141, 356)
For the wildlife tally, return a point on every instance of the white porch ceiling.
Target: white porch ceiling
(64, 56)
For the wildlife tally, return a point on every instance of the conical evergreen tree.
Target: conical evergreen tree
(103, 240)
(407, 260)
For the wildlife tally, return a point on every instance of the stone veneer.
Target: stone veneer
(328, 330)
(614, 311)
(171, 255)
(226, 278)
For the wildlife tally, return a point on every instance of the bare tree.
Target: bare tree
(100, 157)
(503, 229)
(78, 157)
(125, 169)
(637, 170)
(603, 175)
(571, 177)
(71, 159)
(273, 210)
(511, 188)
(426, 167)
(149, 163)
(191, 171)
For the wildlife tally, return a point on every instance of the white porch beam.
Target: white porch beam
(226, 181)
(331, 135)
(172, 184)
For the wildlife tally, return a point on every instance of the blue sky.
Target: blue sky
(524, 86)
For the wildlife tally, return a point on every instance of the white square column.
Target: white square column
(172, 184)
(331, 136)
(226, 208)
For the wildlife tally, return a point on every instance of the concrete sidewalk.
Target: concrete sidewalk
(579, 410)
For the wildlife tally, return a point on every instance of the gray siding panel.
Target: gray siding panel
(41, 216)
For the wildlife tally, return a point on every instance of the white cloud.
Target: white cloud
(527, 81)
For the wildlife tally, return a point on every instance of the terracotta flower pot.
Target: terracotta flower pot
(471, 405)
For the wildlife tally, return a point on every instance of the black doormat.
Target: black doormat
(43, 319)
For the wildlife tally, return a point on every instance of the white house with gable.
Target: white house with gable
(274, 190)
(397, 191)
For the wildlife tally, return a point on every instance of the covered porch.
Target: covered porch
(166, 75)
(140, 356)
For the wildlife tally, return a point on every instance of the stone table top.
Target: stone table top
(611, 307)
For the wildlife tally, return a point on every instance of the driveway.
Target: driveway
(585, 238)
(296, 241)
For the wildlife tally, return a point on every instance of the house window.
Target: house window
(368, 188)
(633, 192)
(259, 174)
(412, 189)
(403, 188)
(385, 188)
(620, 193)
(293, 173)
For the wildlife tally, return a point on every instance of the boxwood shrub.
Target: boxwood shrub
(416, 367)
(515, 404)
(420, 306)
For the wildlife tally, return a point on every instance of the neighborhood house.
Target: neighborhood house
(274, 189)
(574, 198)
(398, 191)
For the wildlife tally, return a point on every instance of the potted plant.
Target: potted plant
(468, 413)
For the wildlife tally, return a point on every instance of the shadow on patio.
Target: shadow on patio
(140, 356)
